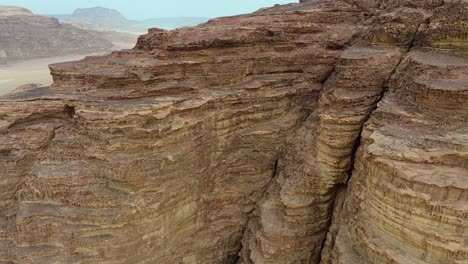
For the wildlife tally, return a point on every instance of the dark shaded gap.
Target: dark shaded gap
(5, 152)
(357, 144)
(339, 187)
(69, 110)
(237, 256)
(336, 190)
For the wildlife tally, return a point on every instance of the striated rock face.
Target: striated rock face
(24, 35)
(407, 201)
(234, 141)
(292, 220)
(166, 148)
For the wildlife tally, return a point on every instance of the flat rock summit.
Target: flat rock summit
(327, 131)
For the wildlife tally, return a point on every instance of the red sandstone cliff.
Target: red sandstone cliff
(325, 131)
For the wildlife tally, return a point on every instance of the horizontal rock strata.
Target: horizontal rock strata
(292, 220)
(234, 141)
(407, 201)
(166, 148)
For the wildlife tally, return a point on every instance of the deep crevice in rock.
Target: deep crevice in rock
(69, 110)
(225, 131)
(249, 214)
(357, 144)
(339, 187)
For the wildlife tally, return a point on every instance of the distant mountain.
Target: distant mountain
(174, 22)
(25, 35)
(100, 18)
(115, 37)
(60, 17)
(106, 18)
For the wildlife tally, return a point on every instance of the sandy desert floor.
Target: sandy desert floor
(36, 71)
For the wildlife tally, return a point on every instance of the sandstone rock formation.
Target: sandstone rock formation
(407, 201)
(24, 35)
(235, 142)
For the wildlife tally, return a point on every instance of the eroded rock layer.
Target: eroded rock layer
(407, 202)
(292, 220)
(233, 142)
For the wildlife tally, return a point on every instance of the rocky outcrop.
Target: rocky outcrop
(174, 140)
(407, 200)
(25, 35)
(234, 141)
(293, 219)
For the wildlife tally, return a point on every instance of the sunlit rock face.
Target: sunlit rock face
(234, 142)
(160, 154)
(24, 35)
(407, 200)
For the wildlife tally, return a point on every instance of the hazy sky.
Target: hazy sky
(140, 9)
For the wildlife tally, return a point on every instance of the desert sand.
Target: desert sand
(30, 71)
(36, 70)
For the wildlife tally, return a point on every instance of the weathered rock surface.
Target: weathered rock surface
(233, 142)
(293, 218)
(407, 201)
(24, 35)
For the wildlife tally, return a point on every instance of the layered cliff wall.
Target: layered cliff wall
(407, 200)
(234, 141)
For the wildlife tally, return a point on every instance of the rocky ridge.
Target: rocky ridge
(319, 132)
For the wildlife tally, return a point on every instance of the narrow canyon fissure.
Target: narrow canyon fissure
(342, 187)
(340, 175)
